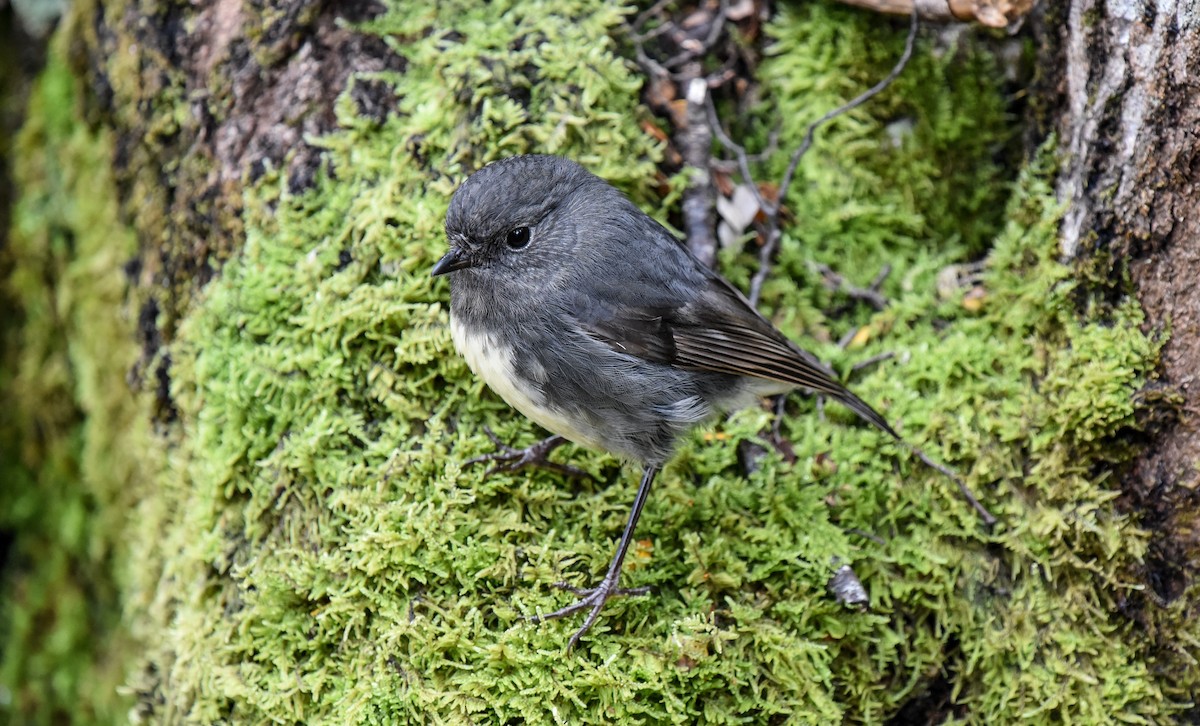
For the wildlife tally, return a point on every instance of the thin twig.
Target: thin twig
(647, 63)
(739, 152)
(644, 16)
(778, 405)
(651, 66)
(727, 166)
(988, 518)
(880, 278)
(693, 48)
(870, 294)
(765, 254)
(703, 46)
(879, 358)
(862, 98)
(771, 209)
(867, 535)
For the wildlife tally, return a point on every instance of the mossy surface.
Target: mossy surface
(344, 564)
(317, 552)
(74, 442)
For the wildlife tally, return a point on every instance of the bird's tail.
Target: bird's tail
(866, 413)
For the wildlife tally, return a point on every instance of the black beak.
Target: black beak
(455, 259)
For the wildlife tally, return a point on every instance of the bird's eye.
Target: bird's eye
(518, 238)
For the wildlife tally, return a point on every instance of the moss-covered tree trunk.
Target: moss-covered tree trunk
(232, 460)
(1126, 109)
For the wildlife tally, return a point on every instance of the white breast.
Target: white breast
(492, 361)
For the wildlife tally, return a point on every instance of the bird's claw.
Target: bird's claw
(589, 597)
(511, 459)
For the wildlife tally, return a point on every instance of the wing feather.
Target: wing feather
(719, 331)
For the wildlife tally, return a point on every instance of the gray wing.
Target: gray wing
(715, 330)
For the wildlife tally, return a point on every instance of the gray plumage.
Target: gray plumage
(613, 325)
(591, 319)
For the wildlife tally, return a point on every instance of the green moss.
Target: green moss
(343, 565)
(317, 552)
(73, 440)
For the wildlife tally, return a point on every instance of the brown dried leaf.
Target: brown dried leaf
(660, 92)
(652, 129)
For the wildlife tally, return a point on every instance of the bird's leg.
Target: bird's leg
(779, 402)
(595, 597)
(537, 455)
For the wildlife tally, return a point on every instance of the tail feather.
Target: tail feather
(866, 413)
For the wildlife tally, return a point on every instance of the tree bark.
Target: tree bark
(1126, 109)
(260, 83)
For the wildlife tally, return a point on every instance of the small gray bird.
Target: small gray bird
(590, 318)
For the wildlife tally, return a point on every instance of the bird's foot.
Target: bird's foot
(511, 460)
(590, 597)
